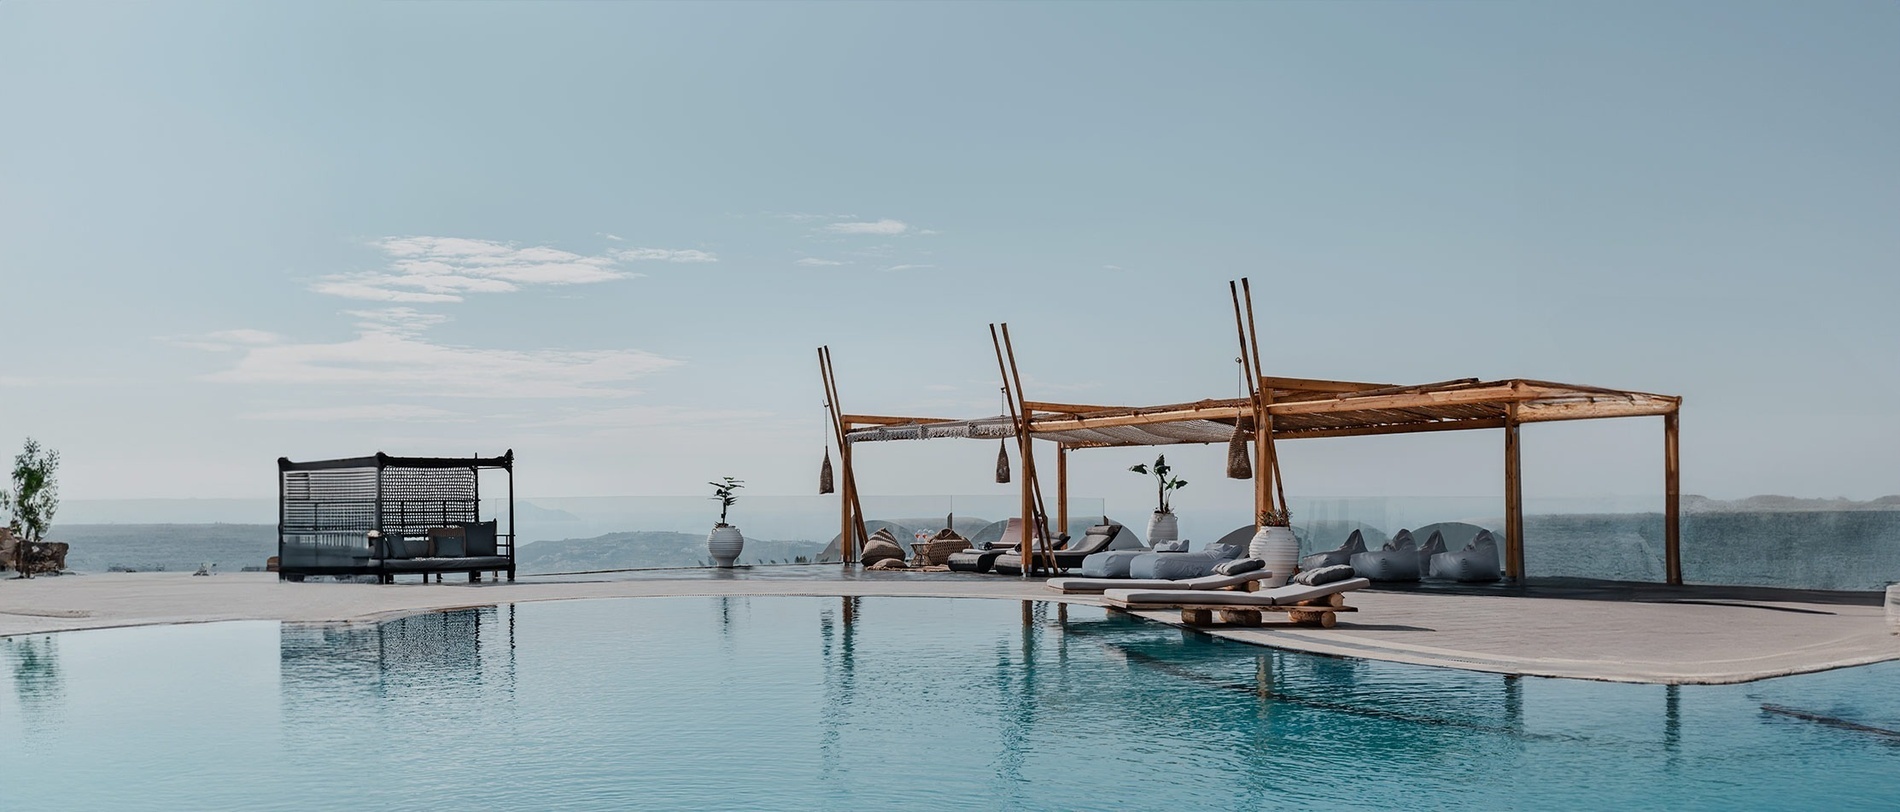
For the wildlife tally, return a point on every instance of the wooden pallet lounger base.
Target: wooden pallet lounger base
(1322, 612)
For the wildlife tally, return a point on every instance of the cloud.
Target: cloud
(814, 262)
(445, 269)
(908, 267)
(627, 417)
(400, 412)
(614, 237)
(399, 320)
(1113, 268)
(245, 336)
(928, 232)
(664, 254)
(883, 227)
(387, 355)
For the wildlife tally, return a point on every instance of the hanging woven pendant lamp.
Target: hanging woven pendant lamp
(1002, 461)
(1239, 461)
(824, 474)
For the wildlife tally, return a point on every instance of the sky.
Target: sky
(610, 236)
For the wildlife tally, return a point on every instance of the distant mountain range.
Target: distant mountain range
(648, 548)
(174, 547)
(1783, 504)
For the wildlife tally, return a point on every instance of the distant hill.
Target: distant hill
(646, 548)
(1768, 503)
(147, 547)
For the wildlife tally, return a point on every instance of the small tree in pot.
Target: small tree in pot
(726, 542)
(1163, 529)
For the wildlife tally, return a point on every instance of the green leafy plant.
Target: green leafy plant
(724, 492)
(1165, 480)
(34, 497)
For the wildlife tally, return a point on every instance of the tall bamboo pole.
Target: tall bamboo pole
(1263, 480)
(850, 509)
(1029, 460)
(1264, 426)
(1031, 505)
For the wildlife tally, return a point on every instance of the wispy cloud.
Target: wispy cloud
(625, 417)
(224, 340)
(385, 412)
(400, 320)
(908, 267)
(614, 237)
(664, 255)
(388, 353)
(1113, 268)
(814, 262)
(445, 269)
(880, 227)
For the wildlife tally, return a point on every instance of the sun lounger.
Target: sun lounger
(1069, 557)
(981, 560)
(1084, 585)
(1314, 605)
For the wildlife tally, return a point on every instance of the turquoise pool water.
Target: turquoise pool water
(827, 703)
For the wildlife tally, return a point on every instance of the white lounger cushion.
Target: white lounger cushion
(1278, 596)
(1203, 582)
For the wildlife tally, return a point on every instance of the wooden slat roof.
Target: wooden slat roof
(1300, 408)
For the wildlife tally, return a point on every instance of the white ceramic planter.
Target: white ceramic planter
(725, 544)
(1280, 549)
(1163, 530)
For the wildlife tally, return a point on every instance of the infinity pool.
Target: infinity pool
(875, 703)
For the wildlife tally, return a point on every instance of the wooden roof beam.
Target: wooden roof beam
(886, 420)
(1535, 412)
(1493, 393)
(1067, 408)
(1394, 428)
(1316, 385)
(1206, 410)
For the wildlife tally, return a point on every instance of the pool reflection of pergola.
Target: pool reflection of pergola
(1299, 408)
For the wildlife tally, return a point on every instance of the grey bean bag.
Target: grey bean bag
(1477, 563)
(1397, 561)
(1111, 564)
(1355, 543)
(1434, 545)
(1176, 566)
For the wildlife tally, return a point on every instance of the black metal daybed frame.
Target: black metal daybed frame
(385, 516)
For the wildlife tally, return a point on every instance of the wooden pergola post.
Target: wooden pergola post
(847, 539)
(1263, 468)
(1062, 488)
(1672, 498)
(1513, 498)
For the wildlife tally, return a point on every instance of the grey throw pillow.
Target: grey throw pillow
(1323, 575)
(1239, 565)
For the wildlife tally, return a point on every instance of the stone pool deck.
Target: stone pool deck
(1628, 634)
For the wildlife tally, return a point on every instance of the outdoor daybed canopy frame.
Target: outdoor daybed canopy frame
(1294, 408)
(382, 515)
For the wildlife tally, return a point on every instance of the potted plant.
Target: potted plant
(726, 542)
(1276, 545)
(1163, 529)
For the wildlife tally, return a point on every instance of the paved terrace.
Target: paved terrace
(1622, 633)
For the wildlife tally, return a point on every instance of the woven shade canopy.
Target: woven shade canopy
(1299, 408)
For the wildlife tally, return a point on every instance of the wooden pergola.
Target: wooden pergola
(1281, 408)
